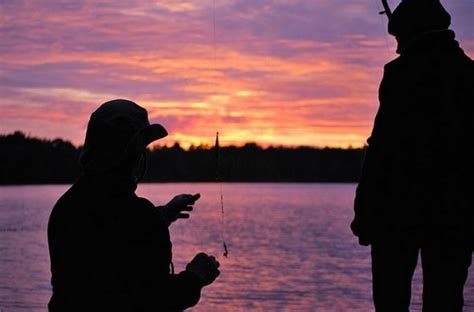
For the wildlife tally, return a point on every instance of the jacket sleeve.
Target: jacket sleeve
(153, 286)
(360, 226)
(183, 291)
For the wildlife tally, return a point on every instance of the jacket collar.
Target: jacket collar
(432, 40)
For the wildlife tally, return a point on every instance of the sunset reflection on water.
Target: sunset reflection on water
(290, 247)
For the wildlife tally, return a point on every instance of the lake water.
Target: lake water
(290, 247)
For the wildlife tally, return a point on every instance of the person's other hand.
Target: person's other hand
(205, 267)
(173, 210)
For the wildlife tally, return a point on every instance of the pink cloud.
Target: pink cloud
(280, 72)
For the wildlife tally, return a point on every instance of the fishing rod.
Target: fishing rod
(386, 10)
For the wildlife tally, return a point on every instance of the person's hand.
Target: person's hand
(173, 210)
(205, 267)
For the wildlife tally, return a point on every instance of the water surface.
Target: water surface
(290, 247)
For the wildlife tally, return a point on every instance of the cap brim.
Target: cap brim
(152, 133)
(144, 137)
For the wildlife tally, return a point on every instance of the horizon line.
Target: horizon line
(156, 145)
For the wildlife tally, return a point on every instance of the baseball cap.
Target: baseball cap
(412, 17)
(117, 132)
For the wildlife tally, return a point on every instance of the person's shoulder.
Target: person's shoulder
(66, 199)
(393, 64)
(63, 212)
(461, 70)
(468, 64)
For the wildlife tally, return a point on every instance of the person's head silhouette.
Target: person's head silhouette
(414, 17)
(117, 135)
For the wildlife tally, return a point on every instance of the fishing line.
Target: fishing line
(218, 180)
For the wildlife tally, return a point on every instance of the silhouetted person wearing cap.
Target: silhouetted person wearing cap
(415, 194)
(110, 250)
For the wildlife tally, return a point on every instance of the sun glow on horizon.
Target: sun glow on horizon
(296, 73)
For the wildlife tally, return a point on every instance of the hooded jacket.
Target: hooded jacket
(110, 251)
(417, 175)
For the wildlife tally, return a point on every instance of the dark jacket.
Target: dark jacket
(419, 165)
(111, 251)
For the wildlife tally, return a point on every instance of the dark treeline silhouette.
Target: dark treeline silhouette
(27, 160)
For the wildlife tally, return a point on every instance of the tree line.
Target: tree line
(29, 160)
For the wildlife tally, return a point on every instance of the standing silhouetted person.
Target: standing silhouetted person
(416, 189)
(110, 249)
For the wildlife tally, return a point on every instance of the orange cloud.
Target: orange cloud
(281, 73)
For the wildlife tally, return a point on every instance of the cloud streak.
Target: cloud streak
(281, 72)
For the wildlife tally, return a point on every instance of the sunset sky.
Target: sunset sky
(280, 72)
